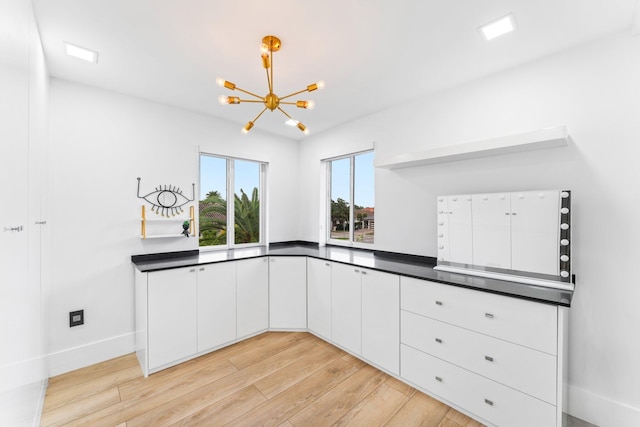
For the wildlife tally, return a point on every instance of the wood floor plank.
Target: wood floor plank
(73, 378)
(286, 404)
(66, 395)
(272, 379)
(421, 410)
(375, 409)
(403, 388)
(332, 405)
(67, 413)
(222, 411)
(286, 377)
(184, 404)
(261, 351)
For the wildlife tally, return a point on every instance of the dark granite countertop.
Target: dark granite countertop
(403, 265)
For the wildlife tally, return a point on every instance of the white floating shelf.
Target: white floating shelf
(535, 140)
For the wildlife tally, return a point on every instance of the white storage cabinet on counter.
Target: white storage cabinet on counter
(500, 359)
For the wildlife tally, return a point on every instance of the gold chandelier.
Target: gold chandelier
(271, 101)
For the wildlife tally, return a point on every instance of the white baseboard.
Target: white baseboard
(90, 354)
(22, 406)
(600, 410)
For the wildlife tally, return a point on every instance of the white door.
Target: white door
(346, 310)
(460, 229)
(172, 305)
(381, 319)
(491, 215)
(319, 297)
(216, 304)
(287, 293)
(252, 293)
(535, 231)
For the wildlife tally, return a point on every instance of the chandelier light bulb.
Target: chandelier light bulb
(223, 100)
(320, 84)
(310, 105)
(220, 81)
(247, 128)
(264, 49)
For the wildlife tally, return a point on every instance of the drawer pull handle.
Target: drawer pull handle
(438, 340)
(488, 358)
(327, 264)
(488, 315)
(438, 302)
(201, 268)
(439, 379)
(356, 270)
(488, 402)
(364, 272)
(192, 270)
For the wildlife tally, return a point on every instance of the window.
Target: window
(351, 206)
(230, 218)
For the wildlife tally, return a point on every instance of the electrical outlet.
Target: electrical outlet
(76, 318)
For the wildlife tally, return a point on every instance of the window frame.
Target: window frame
(328, 223)
(230, 199)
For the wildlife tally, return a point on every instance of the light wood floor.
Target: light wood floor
(277, 378)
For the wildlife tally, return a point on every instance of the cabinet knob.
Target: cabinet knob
(438, 340)
(438, 302)
(488, 358)
(488, 402)
(439, 379)
(488, 315)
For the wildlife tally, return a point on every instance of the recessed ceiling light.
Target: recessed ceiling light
(501, 26)
(81, 52)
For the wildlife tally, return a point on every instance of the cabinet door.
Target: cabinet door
(319, 297)
(492, 230)
(216, 304)
(535, 231)
(287, 292)
(460, 229)
(252, 293)
(346, 309)
(172, 315)
(381, 319)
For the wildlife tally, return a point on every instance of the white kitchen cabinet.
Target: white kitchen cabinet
(252, 293)
(535, 231)
(346, 307)
(492, 230)
(381, 319)
(172, 321)
(319, 297)
(216, 304)
(455, 229)
(287, 292)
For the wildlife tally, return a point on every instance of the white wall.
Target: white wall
(102, 141)
(24, 109)
(595, 91)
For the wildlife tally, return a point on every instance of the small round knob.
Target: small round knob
(564, 194)
(564, 211)
(564, 273)
(564, 242)
(564, 226)
(564, 258)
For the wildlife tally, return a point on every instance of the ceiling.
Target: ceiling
(373, 54)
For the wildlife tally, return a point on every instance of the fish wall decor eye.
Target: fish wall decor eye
(167, 200)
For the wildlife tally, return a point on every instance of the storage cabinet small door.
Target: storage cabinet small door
(216, 305)
(319, 297)
(252, 293)
(381, 319)
(172, 322)
(346, 307)
(287, 293)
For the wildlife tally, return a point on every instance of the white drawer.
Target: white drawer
(512, 319)
(530, 371)
(488, 400)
